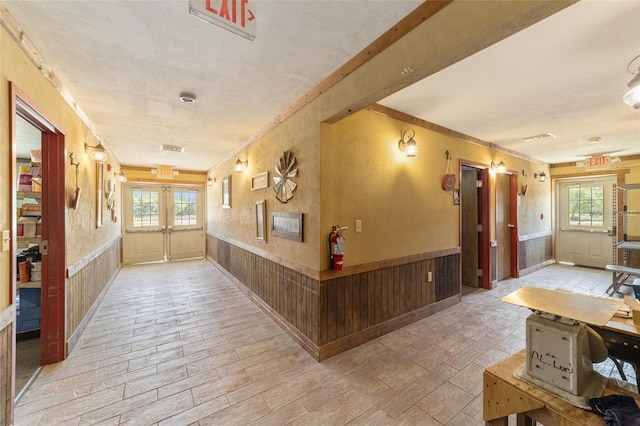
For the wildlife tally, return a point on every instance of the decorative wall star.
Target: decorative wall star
(284, 186)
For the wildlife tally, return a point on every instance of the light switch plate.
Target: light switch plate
(358, 225)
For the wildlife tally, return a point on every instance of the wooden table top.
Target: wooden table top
(580, 307)
(549, 299)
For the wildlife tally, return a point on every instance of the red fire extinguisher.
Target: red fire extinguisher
(337, 247)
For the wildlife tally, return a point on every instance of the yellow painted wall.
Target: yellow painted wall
(454, 32)
(82, 236)
(238, 223)
(401, 203)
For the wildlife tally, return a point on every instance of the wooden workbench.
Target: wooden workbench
(504, 394)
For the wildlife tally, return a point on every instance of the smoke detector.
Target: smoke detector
(187, 98)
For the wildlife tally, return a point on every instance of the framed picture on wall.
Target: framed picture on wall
(226, 192)
(287, 225)
(261, 221)
(99, 178)
(260, 181)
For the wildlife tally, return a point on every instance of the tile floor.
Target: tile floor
(178, 344)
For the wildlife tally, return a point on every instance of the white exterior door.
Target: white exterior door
(584, 221)
(162, 222)
(185, 231)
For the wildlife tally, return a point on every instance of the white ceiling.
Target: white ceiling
(565, 75)
(125, 63)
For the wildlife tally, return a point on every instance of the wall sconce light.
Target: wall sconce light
(98, 152)
(499, 168)
(120, 176)
(240, 165)
(632, 97)
(210, 181)
(409, 146)
(524, 173)
(542, 176)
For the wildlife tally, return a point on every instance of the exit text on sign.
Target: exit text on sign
(237, 16)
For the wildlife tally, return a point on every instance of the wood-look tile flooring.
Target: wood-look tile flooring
(179, 344)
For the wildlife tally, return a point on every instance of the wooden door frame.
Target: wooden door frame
(513, 218)
(485, 261)
(512, 199)
(53, 346)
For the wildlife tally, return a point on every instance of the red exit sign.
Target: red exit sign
(597, 161)
(237, 16)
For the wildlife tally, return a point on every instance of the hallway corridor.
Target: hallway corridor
(179, 344)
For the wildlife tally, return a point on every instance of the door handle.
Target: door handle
(511, 225)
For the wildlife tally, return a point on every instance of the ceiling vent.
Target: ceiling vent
(538, 137)
(173, 148)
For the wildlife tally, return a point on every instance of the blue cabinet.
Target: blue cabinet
(28, 303)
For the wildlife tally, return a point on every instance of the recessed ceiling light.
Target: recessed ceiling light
(537, 137)
(187, 98)
(594, 139)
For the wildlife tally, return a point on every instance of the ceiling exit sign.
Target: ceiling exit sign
(599, 162)
(237, 16)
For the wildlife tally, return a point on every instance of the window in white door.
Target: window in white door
(146, 208)
(185, 208)
(586, 206)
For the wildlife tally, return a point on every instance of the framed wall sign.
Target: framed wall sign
(261, 221)
(260, 181)
(99, 177)
(287, 225)
(226, 192)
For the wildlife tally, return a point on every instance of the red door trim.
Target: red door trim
(52, 331)
(513, 218)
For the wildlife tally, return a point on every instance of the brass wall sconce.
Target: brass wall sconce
(76, 193)
(210, 181)
(409, 146)
(542, 176)
(98, 152)
(499, 168)
(122, 177)
(240, 165)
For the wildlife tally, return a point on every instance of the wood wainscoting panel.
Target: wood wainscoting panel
(87, 283)
(6, 367)
(358, 302)
(339, 312)
(293, 295)
(535, 251)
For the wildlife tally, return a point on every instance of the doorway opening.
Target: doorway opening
(474, 226)
(38, 235)
(163, 223)
(506, 226)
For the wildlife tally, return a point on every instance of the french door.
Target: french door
(162, 223)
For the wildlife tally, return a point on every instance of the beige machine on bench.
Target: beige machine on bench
(560, 345)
